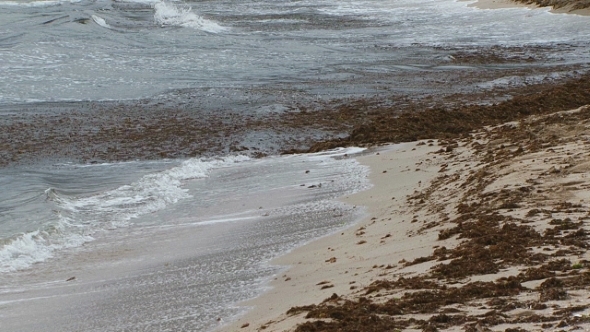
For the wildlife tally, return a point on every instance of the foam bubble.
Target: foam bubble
(33, 247)
(78, 218)
(100, 21)
(168, 14)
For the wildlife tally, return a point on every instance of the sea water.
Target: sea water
(169, 245)
(175, 244)
(56, 50)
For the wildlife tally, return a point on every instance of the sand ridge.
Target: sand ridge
(485, 232)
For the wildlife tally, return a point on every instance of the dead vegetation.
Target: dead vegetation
(117, 132)
(388, 126)
(526, 226)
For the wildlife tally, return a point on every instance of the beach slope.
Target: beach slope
(487, 231)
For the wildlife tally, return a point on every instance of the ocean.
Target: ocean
(103, 233)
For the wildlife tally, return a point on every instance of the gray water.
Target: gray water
(214, 51)
(174, 244)
(164, 245)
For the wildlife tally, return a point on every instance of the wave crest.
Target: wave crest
(100, 21)
(168, 14)
(79, 218)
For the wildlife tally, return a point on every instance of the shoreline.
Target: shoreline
(119, 132)
(477, 220)
(325, 266)
(198, 257)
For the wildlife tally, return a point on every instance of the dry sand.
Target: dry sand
(499, 4)
(485, 232)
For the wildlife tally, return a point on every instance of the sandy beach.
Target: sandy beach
(485, 232)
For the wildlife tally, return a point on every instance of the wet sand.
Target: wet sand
(489, 231)
(180, 268)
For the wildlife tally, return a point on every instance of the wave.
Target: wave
(79, 218)
(168, 14)
(100, 21)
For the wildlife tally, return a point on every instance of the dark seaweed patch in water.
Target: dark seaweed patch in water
(389, 125)
(99, 132)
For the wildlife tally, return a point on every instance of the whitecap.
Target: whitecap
(100, 21)
(80, 217)
(168, 14)
(33, 247)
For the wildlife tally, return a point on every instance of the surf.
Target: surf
(76, 218)
(168, 14)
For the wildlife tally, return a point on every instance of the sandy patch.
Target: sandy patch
(355, 257)
(571, 10)
(486, 232)
(559, 9)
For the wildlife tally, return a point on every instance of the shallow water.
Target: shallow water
(174, 249)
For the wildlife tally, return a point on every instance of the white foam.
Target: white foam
(151, 193)
(78, 218)
(521, 80)
(35, 247)
(169, 14)
(336, 152)
(100, 21)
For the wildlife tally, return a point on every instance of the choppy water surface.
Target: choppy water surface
(112, 50)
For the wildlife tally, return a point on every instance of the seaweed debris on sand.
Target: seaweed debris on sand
(504, 221)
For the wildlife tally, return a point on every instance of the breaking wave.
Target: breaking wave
(78, 218)
(168, 14)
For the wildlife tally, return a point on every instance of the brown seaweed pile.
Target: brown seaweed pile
(517, 215)
(99, 132)
(389, 126)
